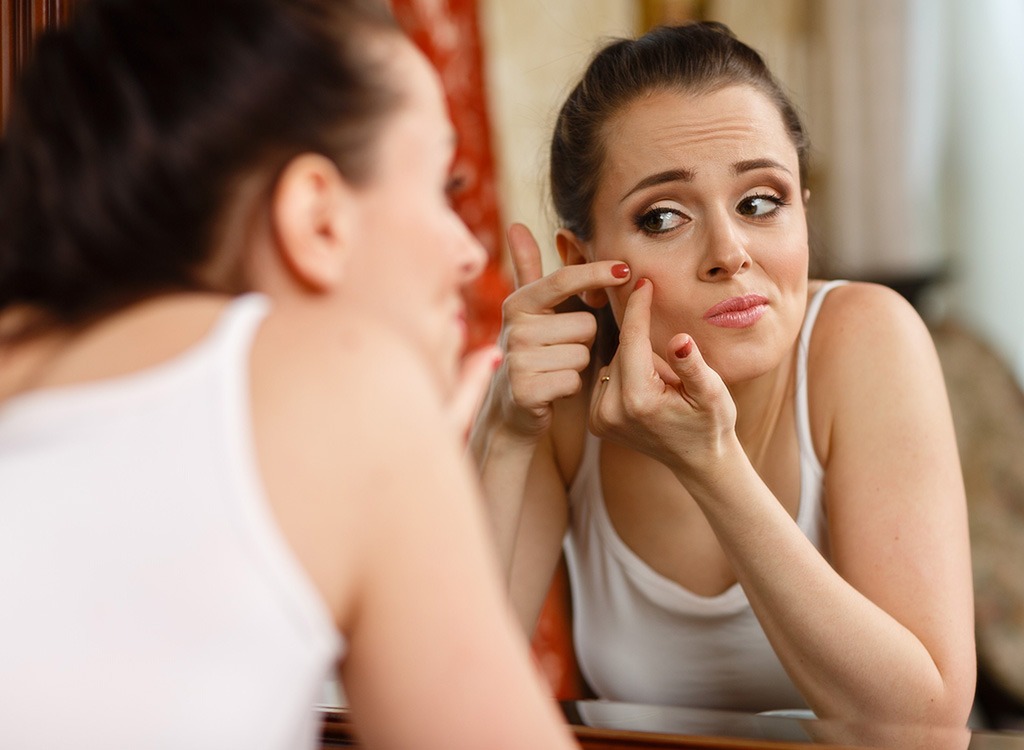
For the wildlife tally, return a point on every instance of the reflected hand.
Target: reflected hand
(545, 351)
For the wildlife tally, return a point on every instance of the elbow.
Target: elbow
(954, 706)
(949, 698)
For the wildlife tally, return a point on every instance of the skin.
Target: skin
(697, 419)
(358, 367)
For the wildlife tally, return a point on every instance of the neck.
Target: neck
(760, 404)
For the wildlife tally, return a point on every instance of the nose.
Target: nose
(471, 255)
(726, 253)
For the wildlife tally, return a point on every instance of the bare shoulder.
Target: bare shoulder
(865, 326)
(869, 348)
(347, 424)
(862, 309)
(349, 381)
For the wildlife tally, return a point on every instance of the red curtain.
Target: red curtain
(448, 32)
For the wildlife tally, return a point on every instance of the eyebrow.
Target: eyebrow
(687, 175)
(751, 164)
(660, 178)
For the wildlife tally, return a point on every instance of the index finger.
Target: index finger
(525, 252)
(636, 354)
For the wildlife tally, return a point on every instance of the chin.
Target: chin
(445, 369)
(745, 363)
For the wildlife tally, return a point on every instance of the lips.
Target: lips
(737, 312)
(462, 323)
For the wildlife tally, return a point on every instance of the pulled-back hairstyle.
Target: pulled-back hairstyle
(695, 58)
(130, 130)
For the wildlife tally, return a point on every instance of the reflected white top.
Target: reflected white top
(643, 638)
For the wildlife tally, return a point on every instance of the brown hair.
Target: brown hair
(131, 128)
(693, 58)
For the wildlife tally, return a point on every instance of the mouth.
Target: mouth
(462, 324)
(737, 312)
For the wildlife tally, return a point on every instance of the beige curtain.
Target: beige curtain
(846, 64)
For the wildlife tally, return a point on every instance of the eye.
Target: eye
(453, 187)
(660, 220)
(760, 206)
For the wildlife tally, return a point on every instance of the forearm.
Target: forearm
(848, 657)
(526, 501)
(503, 463)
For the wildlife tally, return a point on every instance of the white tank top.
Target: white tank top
(148, 597)
(641, 637)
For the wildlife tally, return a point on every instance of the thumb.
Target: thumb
(697, 381)
(475, 374)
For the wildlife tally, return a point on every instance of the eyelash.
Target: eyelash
(640, 220)
(779, 203)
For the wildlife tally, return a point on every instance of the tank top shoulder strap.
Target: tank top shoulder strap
(239, 322)
(803, 421)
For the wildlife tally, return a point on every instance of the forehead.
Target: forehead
(669, 128)
(423, 106)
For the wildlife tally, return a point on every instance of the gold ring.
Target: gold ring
(605, 378)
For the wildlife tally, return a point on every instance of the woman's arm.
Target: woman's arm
(431, 630)
(895, 496)
(370, 484)
(545, 353)
(886, 634)
(528, 509)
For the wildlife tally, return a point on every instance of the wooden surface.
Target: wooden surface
(342, 734)
(721, 730)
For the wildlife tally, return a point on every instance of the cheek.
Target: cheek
(790, 253)
(669, 316)
(670, 313)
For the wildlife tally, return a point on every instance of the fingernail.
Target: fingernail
(684, 351)
(620, 270)
(640, 283)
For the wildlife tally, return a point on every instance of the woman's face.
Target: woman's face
(413, 253)
(701, 194)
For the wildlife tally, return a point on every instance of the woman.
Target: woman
(759, 487)
(200, 513)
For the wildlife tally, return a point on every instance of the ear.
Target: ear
(573, 252)
(311, 211)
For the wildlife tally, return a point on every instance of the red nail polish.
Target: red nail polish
(684, 351)
(640, 283)
(620, 270)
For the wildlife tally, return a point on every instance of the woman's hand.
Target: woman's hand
(675, 409)
(545, 351)
(474, 376)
